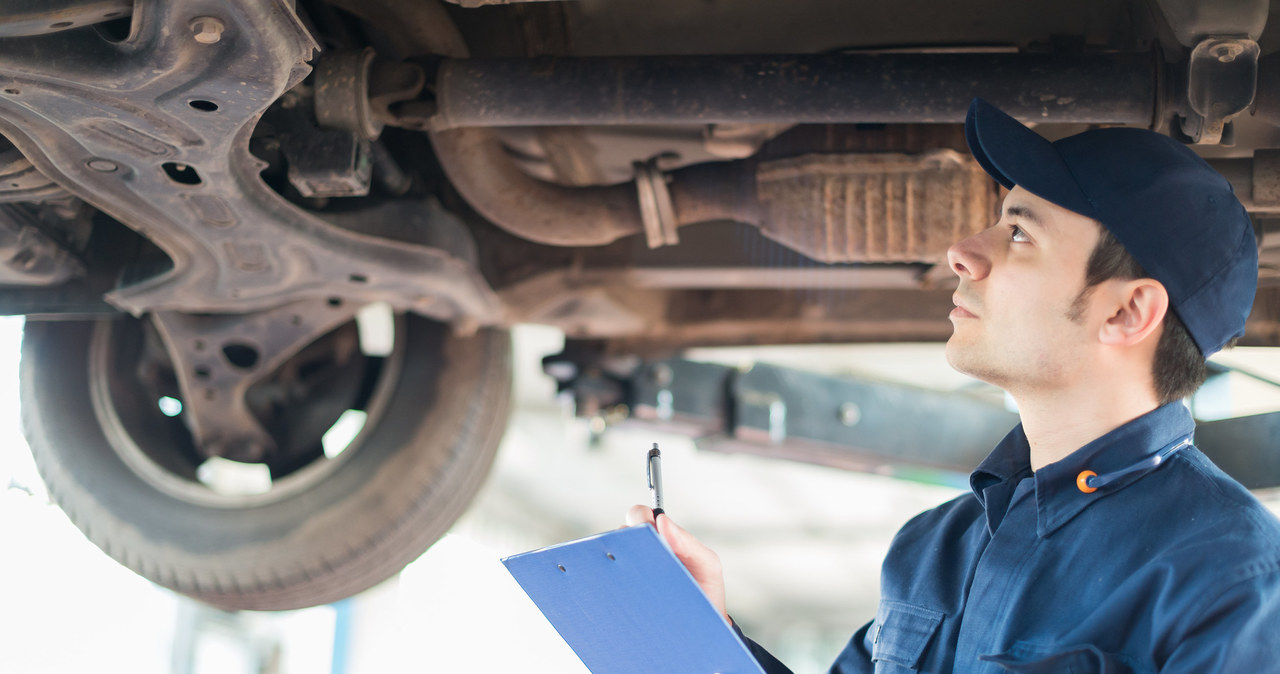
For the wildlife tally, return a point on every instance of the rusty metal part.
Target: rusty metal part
(631, 292)
(481, 171)
(477, 163)
(1265, 179)
(1267, 99)
(833, 208)
(387, 172)
(875, 207)
(740, 140)
(392, 88)
(1269, 254)
(20, 181)
(21, 18)
(562, 154)
(1117, 88)
(175, 147)
(677, 318)
(206, 29)
(358, 92)
(28, 256)
(1255, 181)
(418, 28)
(330, 163)
(1191, 20)
(1222, 76)
(480, 168)
(655, 205)
(323, 162)
(342, 92)
(709, 89)
(217, 358)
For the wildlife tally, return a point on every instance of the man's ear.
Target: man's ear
(1137, 310)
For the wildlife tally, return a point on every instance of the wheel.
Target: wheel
(315, 525)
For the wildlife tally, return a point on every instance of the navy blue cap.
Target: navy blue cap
(1175, 215)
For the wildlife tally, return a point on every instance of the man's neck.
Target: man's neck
(1064, 421)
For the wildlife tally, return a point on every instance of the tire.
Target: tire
(397, 488)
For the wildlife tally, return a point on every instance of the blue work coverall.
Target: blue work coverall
(1171, 569)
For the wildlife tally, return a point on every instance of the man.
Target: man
(1096, 537)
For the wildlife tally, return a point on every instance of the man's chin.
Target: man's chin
(962, 359)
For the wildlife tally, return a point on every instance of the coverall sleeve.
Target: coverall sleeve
(854, 659)
(856, 656)
(768, 663)
(1236, 631)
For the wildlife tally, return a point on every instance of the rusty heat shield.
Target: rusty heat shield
(884, 207)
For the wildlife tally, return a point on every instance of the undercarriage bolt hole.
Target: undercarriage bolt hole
(242, 356)
(181, 173)
(203, 105)
(202, 372)
(335, 301)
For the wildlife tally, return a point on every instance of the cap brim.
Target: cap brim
(1015, 155)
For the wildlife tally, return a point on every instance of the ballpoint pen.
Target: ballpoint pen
(654, 470)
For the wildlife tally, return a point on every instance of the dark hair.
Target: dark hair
(1179, 367)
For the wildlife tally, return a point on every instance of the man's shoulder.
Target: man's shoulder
(955, 516)
(1210, 513)
(1204, 487)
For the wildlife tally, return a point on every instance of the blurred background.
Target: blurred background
(801, 544)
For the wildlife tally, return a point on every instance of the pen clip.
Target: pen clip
(648, 466)
(655, 480)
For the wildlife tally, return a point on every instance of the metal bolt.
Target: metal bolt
(1227, 52)
(206, 29)
(102, 165)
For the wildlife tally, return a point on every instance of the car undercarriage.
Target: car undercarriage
(234, 223)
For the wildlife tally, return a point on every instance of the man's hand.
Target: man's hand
(702, 562)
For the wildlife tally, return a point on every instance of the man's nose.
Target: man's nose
(967, 258)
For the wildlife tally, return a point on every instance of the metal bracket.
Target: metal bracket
(217, 358)
(656, 209)
(1222, 77)
(30, 257)
(342, 92)
(155, 132)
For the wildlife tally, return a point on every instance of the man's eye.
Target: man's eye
(1018, 235)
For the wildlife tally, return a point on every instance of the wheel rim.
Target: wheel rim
(159, 449)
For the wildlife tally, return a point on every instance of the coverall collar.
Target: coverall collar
(1058, 499)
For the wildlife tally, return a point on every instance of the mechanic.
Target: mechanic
(1096, 537)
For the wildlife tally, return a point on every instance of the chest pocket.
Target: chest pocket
(900, 636)
(1034, 659)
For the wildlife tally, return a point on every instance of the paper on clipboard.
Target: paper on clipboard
(626, 605)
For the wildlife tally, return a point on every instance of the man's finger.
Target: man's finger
(639, 514)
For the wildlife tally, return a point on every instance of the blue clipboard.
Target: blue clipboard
(626, 605)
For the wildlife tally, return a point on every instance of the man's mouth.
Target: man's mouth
(960, 311)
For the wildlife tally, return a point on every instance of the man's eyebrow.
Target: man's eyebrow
(1024, 213)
